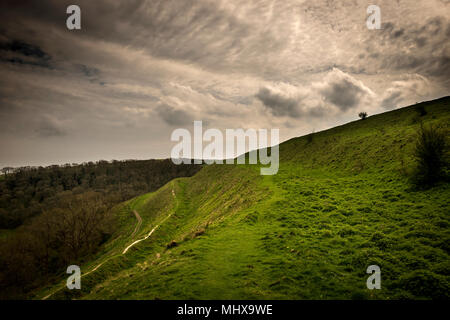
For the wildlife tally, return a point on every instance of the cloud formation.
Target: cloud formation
(278, 104)
(343, 91)
(137, 69)
(172, 116)
(50, 127)
(337, 92)
(16, 51)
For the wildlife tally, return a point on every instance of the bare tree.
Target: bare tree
(362, 115)
(7, 170)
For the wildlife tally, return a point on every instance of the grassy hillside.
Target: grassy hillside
(340, 202)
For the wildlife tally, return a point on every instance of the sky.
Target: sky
(137, 70)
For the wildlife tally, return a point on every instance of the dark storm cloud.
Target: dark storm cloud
(440, 67)
(172, 116)
(89, 71)
(19, 52)
(198, 32)
(422, 47)
(343, 94)
(49, 127)
(163, 28)
(277, 104)
(430, 28)
(319, 111)
(25, 49)
(392, 100)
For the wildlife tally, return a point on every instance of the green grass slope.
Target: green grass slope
(340, 202)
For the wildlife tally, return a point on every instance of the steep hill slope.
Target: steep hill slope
(340, 202)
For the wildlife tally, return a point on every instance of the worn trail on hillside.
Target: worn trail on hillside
(150, 233)
(138, 217)
(138, 225)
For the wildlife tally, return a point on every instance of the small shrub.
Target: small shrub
(359, 295)
(421, 110)
(346, 231)
(199, 232)
(425, 284)
(404, 168)
(309, 138)
(431, 156)
(172, 244)
(252, 218)
(362, 115)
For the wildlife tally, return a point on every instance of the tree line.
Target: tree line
(26, 191)
(60, 214)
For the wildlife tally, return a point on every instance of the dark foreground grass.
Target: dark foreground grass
(340, 202)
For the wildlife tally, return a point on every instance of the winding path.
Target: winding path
(138, 225)
(150, 233)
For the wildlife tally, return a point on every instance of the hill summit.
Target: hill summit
(341, 201)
